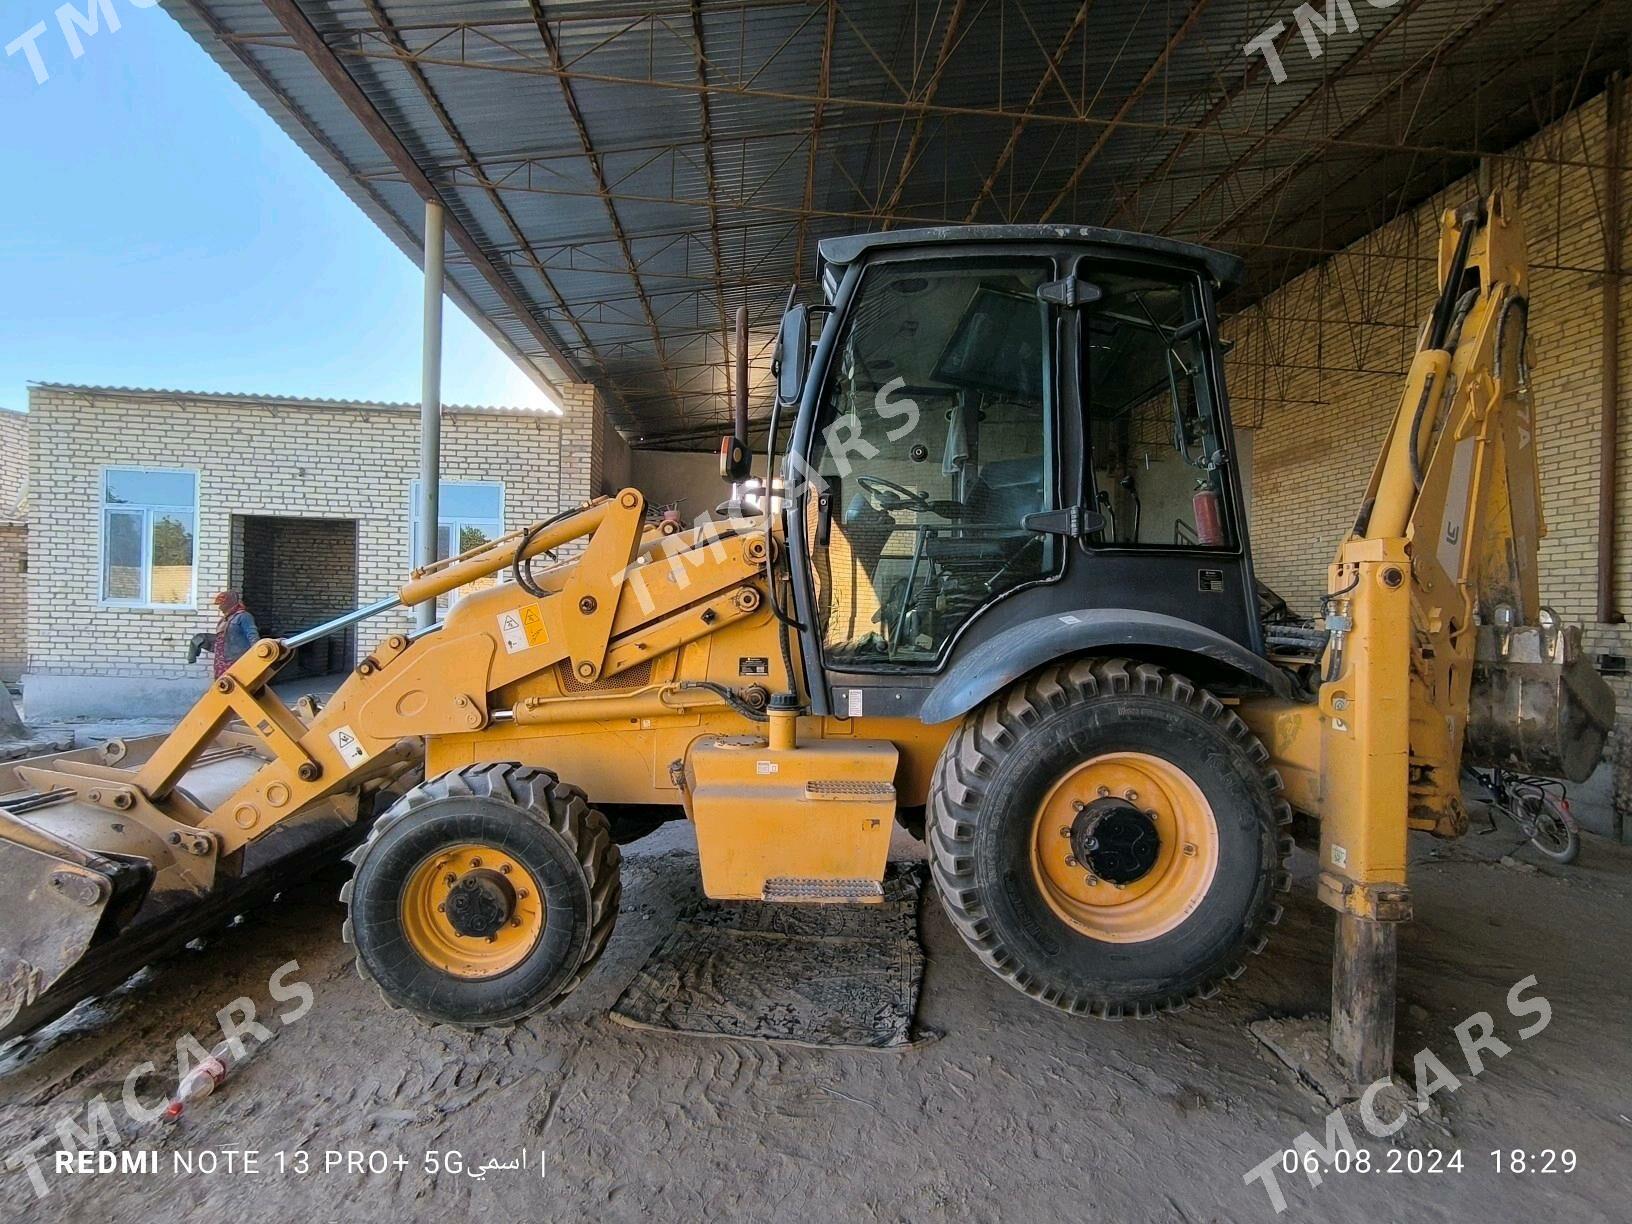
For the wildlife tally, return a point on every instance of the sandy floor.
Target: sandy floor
(1015, 1112)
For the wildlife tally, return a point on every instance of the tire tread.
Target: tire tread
(537, 794)
(971, 756)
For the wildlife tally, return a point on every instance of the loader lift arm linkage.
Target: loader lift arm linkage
(637, 591)
(442, 683)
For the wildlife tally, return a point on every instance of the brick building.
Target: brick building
(142, 504)
(13, 540)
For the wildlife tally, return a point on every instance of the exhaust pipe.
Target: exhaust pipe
(741, 430)
(735, 464)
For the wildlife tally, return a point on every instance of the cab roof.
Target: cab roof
(837, 253)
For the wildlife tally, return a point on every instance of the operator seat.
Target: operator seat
(993, 525)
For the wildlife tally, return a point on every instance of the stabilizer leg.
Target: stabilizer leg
(1364, 959)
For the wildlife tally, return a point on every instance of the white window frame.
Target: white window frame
(443, 520)
(145, 602)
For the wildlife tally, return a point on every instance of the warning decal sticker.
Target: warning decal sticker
(522, 628)
(345, 743)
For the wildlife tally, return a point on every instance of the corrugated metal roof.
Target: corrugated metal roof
(301, 401)
(627, 174)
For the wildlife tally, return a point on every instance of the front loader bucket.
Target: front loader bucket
(56, 906)
(93, 895)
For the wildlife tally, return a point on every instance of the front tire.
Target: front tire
(483, 895)
(1166, 822)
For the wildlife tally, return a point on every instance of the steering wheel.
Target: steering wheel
(887, 495)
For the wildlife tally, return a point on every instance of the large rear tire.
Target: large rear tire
(483, 895)
(1109, 838)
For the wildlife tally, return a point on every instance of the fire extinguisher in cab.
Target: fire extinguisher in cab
(1209, 511)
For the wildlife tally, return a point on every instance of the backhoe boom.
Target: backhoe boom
(1433, 610)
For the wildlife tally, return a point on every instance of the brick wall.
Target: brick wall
(13, 463)
(1317, 372)
(258, 457)
(13, 582)
(13, 540)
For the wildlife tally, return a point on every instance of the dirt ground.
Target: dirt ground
(1015, 1112)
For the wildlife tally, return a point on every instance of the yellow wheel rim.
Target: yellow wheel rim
(1159, 888)
(491, 892)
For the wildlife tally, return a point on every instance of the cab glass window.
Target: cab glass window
(1158, 462)
(934, 442)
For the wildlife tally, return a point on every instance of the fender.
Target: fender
(1021, 648)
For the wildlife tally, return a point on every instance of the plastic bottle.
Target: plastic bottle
(202, 1080)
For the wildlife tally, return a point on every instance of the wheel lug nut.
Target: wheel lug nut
(1070, 860)
(1065, 830)
(1190, 848)
(1103, 791)
(504, 869)
(522, 893)
(450, 879)
(442, 909)
(515, 922)
(1078, 805)
(475, 862)
(1093, 881)
(1130, 794)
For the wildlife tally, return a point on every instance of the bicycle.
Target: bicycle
(1539, 806)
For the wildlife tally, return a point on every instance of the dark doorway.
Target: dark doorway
(296, 573)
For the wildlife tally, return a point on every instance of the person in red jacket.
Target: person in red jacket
(235, 634)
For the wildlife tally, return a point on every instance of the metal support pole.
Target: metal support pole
(1609, 410)
(1364, 959)
(430, 407)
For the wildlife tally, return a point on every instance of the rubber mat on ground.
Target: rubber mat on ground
(824, 975)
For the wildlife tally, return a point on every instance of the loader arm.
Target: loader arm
(190, 803)
(634, 593)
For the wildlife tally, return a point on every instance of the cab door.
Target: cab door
(934, 439)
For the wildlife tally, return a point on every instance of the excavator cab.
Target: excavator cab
(1014, 439)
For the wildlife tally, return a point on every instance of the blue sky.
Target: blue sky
(158, 230)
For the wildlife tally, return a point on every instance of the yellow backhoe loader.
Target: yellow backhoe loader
(1001, 592)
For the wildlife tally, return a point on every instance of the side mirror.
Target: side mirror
(792, 355)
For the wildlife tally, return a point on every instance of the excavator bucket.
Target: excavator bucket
(96, 892)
